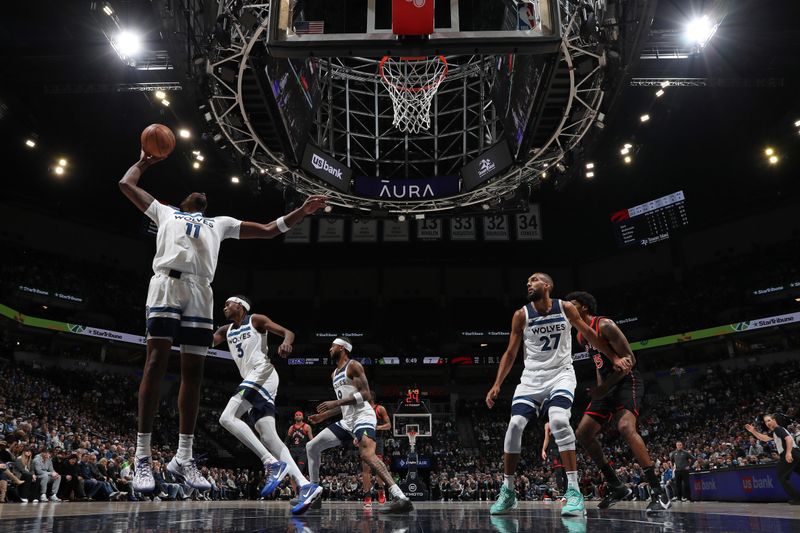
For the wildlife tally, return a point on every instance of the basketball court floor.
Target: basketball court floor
(428, 517)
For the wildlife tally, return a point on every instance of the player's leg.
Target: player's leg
(231, 420)
(366, 448)
(524, 407)
(327, 438)
(591, 424)
(366, 483)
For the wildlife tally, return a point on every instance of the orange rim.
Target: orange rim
(414, 58)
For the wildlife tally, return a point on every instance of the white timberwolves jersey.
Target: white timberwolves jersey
(189, 242)
(343, 386)
(548, 339)
(248, 347)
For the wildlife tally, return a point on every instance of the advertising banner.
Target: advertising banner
(750, 484)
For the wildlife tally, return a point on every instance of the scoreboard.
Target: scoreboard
(650, 222)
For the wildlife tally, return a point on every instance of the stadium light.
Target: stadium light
(589, 166)
(195, 152)
(62, 162)
(59, 170)
(107, 10)
(625, 150)
(628, 159)
(160, 95)
(644, 118)
(30, 143)
(700, 30)
(234, 179)
(773, 160)
(544, 175)
(128, 43)
(797, 124)
(590, 175)
(665, 84)
(401, 218)
(659, 93)
(769, 151)
(278, 169)
(263, 170)
(185, 134)
(165, 102)
(200, 157)
(195, 165)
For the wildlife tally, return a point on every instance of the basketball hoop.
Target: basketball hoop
(412, 83)
(411, 432)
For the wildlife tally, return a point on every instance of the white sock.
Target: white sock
(184, 448)
(397, 493)
(572, 480)
(143, 445)
(508, 481)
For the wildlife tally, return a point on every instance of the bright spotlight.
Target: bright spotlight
(30, 143)
(59, 171)
(263, 170)
(797, 124)
(628, 159)
(62, 162)
(628, 145)
(659, 93)
(200, 157)
(544, 175)
(328, 208)
(589, 166)
(234, 179)
(107, 10)
(278, 169)
(185, 134)
(195, 152)
(165, 102)
(590, 175)
(401, 218)
(161, 95)
(700, 31)
(644, 118)
(195, 165)
(128, 43)
(665, 84)
(625, 151)
(773, 160)
(769, 152)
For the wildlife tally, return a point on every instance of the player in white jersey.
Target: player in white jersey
(358, 421)
(247, 340)
(179, 308)
(548, 384)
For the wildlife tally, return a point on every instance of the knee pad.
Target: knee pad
(513, 442)
(560, 428)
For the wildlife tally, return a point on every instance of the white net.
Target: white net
(412, 83)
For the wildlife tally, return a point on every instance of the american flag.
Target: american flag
(309, 27)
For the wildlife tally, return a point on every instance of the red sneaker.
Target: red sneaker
(367, 502)
(381, 497)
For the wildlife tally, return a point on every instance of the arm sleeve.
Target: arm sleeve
(229, 227)
(158, 212)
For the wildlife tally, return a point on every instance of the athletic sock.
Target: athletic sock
(143, 445)
(652, 479)
(610, 475)
(508, 481)
(572, 480)
(397, 493)
(184, 453)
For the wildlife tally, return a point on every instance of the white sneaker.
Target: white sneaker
(55, 499)
(189, 473)
(156, 499)
(23, 500)
(143, 480)
(43, 498)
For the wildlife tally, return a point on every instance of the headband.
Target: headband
(239, 301)
(344, 344)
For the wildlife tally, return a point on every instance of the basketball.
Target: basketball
(158, 140)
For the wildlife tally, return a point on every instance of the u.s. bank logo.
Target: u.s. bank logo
(486, 166)
(319, 163)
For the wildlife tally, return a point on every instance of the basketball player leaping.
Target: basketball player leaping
(618, 396)
(358, 421)
(179, 308)
(247, 341)
(384, 424)
(547, 385)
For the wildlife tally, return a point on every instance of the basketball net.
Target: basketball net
(412, 439)
(412, 83)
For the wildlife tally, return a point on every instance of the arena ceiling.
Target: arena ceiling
(61, 81)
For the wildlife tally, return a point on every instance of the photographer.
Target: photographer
(787, 449)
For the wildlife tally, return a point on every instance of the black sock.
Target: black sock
(610, 475)
(652, 479)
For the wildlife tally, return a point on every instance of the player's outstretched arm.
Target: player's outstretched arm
(620, 363)
(219, 335)
(129, 184)
(756, 433)
(263, 324)
(255, 230)
(510, 355)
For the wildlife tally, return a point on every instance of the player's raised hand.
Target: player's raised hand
(491, 396)
(148, 159)
(285, 349)
(315, 418)
(314, 203)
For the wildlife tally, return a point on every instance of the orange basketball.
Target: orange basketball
(158, 140)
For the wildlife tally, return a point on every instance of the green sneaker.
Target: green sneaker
(506, 501)
(505, 524)
(574, 505)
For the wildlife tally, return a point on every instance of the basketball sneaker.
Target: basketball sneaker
(143, 480)
(615, 494)
(275, 471)
(505, 524)
(309, 493)
(398, 506)
(381, 497)
(574, 505)
(506, 501)
(367, 502)
(659, 501)
(188, 473)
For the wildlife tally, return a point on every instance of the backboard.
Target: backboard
(368, 28)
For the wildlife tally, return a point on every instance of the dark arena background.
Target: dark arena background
(462, 158)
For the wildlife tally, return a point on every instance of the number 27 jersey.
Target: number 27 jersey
(547, 338)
